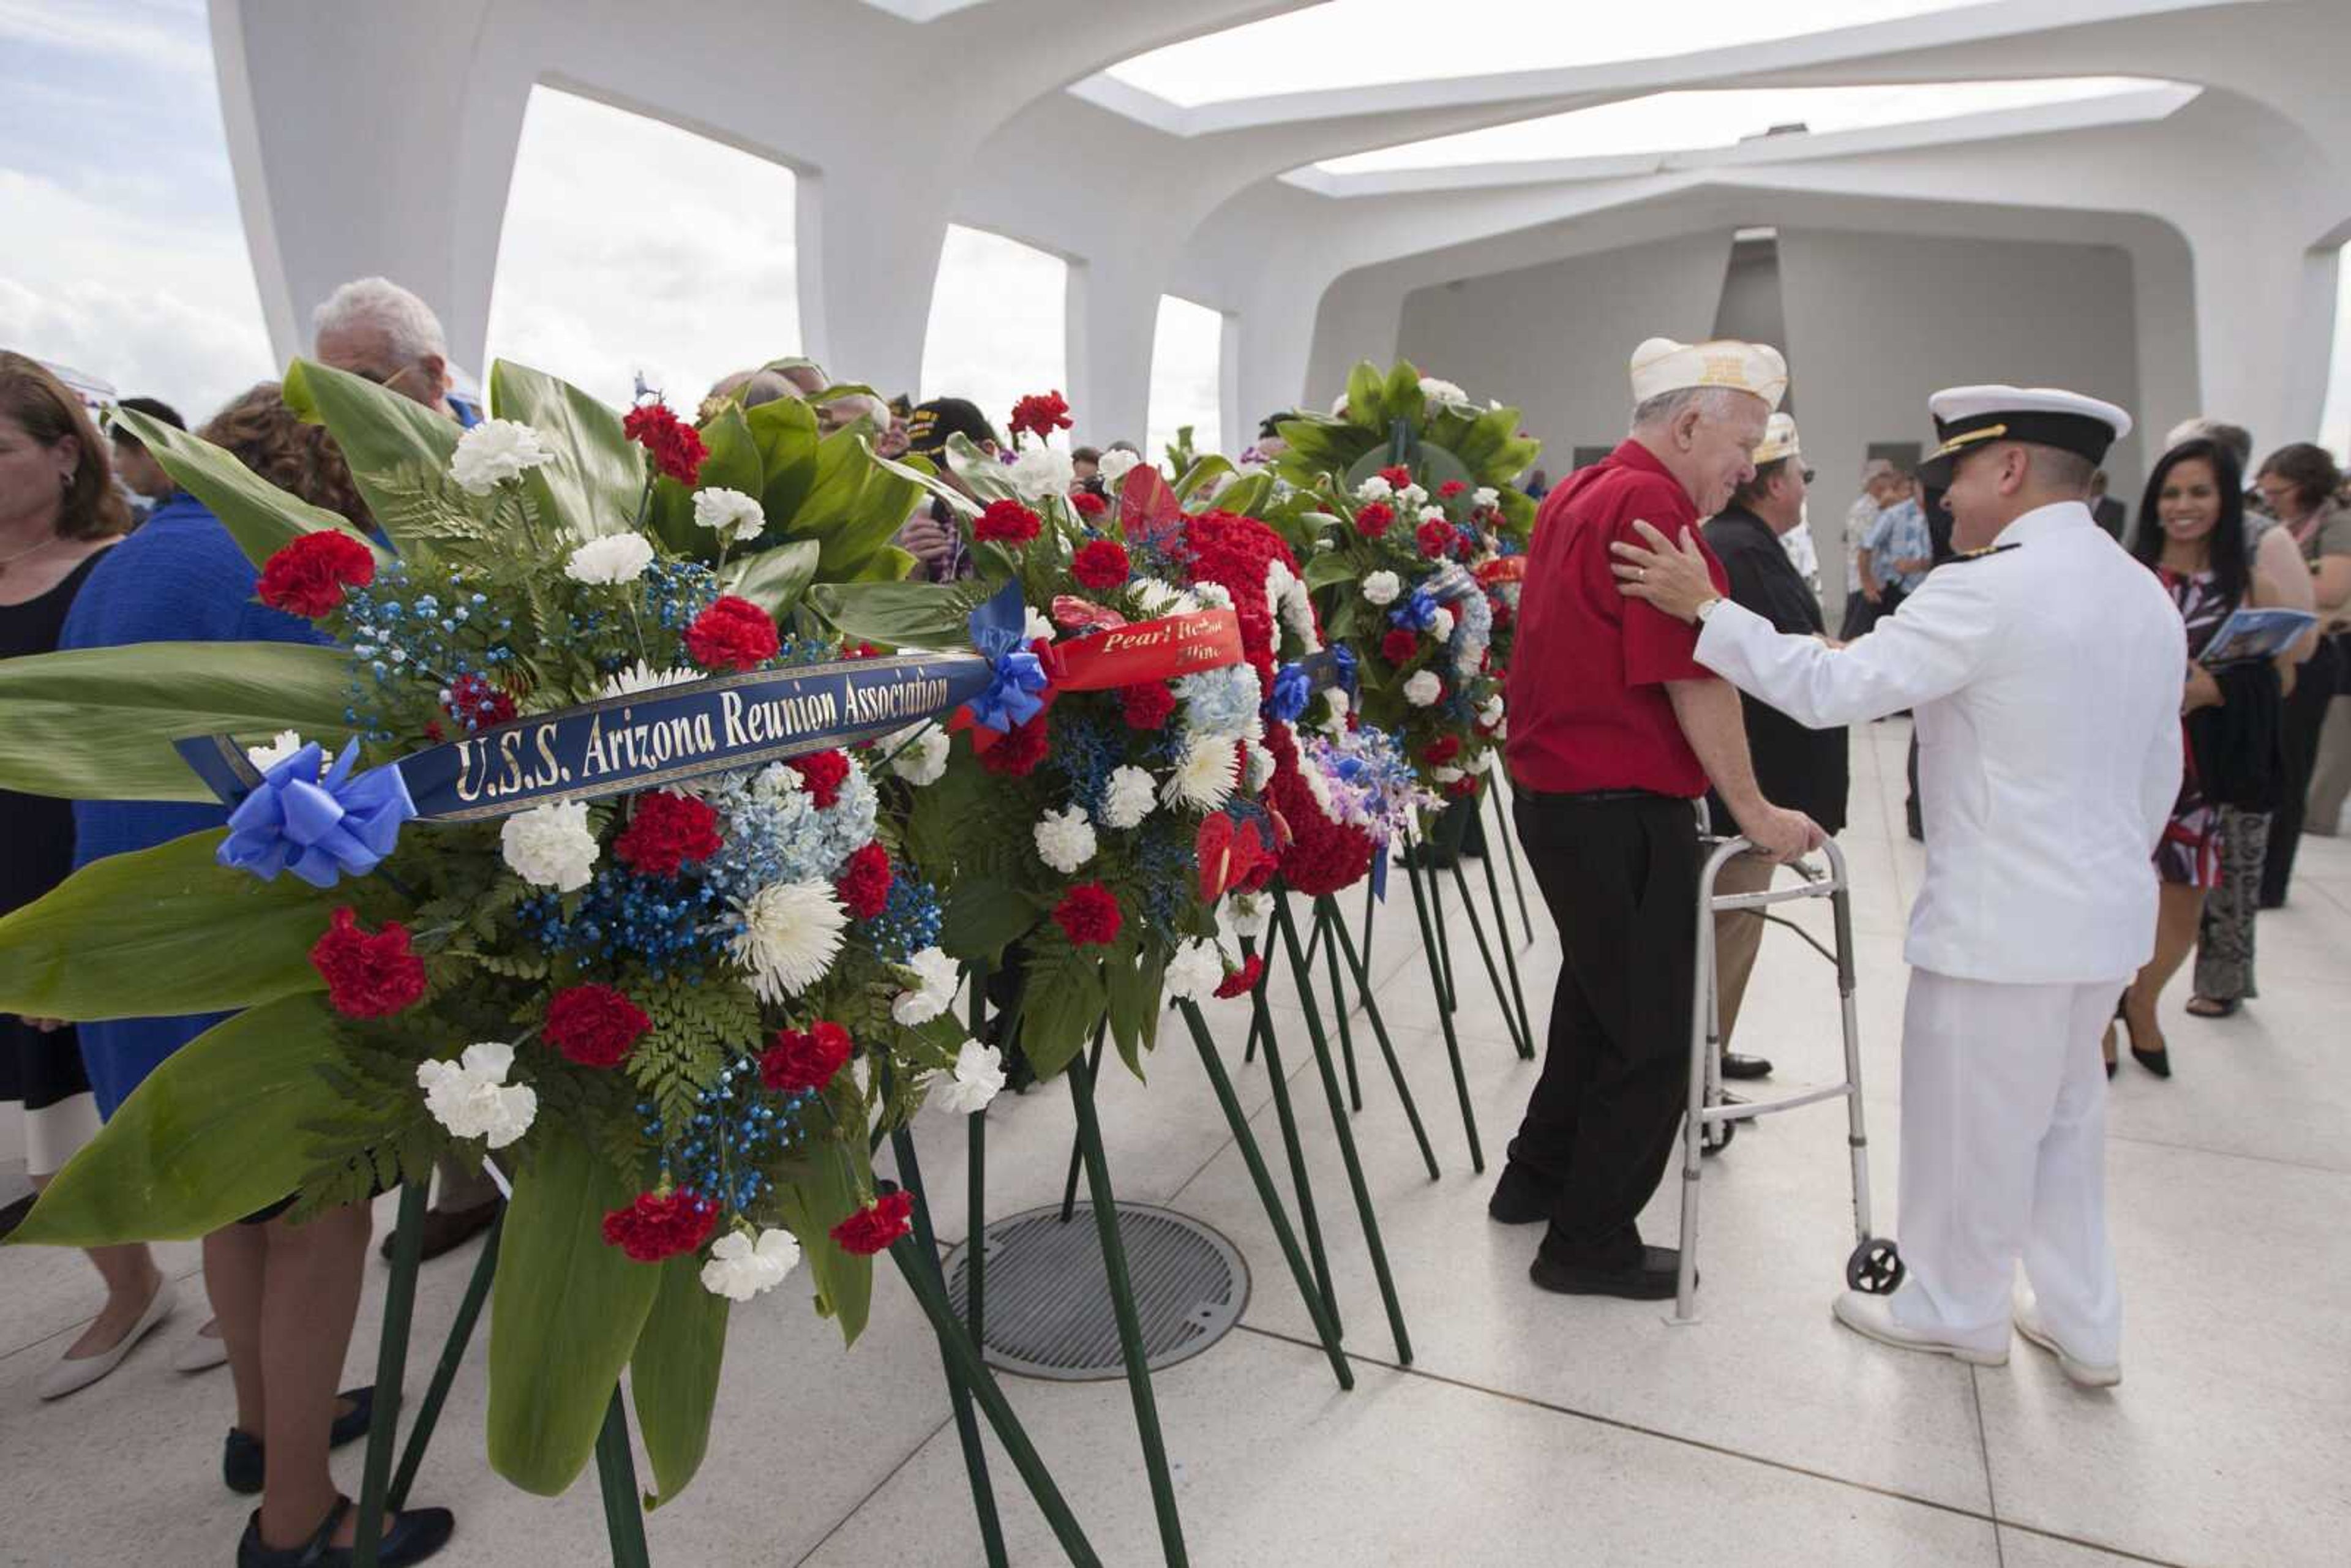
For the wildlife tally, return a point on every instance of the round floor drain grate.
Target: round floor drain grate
(1045, 1303)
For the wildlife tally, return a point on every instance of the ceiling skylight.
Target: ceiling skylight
(1356, 43)
(1688, 122)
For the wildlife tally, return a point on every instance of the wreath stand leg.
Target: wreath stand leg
(1304, 973)
(616, 1477)
(1428, 941)
(390, 1368)
(1502, 830)
(453, 1355)
(1077, 1144)
(1513, 1000)
(1327, 919)
(1285, 1116)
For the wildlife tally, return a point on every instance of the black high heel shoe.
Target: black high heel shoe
(2158, 1061)
(413, 1535)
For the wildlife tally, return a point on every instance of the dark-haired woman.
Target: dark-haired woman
(2299, 484)
(2192, 534)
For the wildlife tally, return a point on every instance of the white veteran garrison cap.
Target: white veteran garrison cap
(1779, 441)
(1661, 365)
(1967, 417)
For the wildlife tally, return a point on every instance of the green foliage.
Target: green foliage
(259, 516)
(1182, 459)
(900, 614)
(817, 1190)
(1065, 999)
(378, 1133)
(379, 432)
(674, 1374)
(697, 1030)
(1133, 979)
(592, 482)
(982, 914)
(774, 580)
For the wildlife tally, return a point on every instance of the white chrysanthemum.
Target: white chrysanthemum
(1127, 797)
(1035, 624)
(791, 930)
(1298, 612)
(918, 753)
(1203, 780)
(1382, 587)
(286, 743)
(1440, 392)
(1194, 971)
(935, 979)
(1065, 840)
(1260, 764)
(471, 1098)
(615, 557)
(1411, 497)
(1485, 496)
(1423, 688)
(1440, 624)
(1041, 471)
(643, 677)
(1375, 489)
(1155, 596)
(494, 452)
(733, 516)
(1490, 714)
(977, 1077)
(1213, 595)
(550, 846)
(740, 1267)
(1448, 775)
(1117, 464)
(1248, 914)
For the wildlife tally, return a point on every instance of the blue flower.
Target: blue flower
(1416, 612)
(1291, 687)
(318, 828)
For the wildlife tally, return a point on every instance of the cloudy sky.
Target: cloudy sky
(125, 257)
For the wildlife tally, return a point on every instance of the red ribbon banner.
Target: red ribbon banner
(1161, 649)
(1504, 569)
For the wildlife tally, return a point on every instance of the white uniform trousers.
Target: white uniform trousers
(2003, 1157)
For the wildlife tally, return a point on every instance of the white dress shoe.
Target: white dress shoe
(200, 1353)
(80, 1372)
(2080, 1373)
(1873, 1317)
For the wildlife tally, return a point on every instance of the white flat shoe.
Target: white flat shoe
(1871, 1317)
(201, 1352)
(68, 1377)
(2079, 1372)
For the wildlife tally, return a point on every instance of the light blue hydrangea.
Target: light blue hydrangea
(1220, 703)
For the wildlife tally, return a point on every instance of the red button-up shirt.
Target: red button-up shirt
(1588, 708)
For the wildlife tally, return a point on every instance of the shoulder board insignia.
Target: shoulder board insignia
(1980, 554)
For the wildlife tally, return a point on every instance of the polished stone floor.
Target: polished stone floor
(1526, 1428)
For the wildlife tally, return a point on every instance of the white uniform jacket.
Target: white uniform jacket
(2045, 675)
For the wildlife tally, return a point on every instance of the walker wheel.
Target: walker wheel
(1876, 1266)
(1715, 1136)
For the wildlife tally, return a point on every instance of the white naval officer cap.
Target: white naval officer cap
(1662, 365)
(1966, 417)
(1779, 441)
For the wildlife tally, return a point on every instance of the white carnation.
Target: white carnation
(1034, 625)
(1213, 595)
(1448, 775)
(1490, 714)
(1440, 624)
(1065, 840)
(1203, 780)
(977, 1077)
(550, 846)
(1041, 471)
(643, 677)
(1440, 392)
(1375, 489)
(1432, 514)
(935, 979)
(740, 1267)
(1298, 611)
(1485, 496)
(286, 743)
(1423, 689)
(791, 930)
(494, 452)
(918, 753)
(1411, 497)
(1248, 913)
(615, 557)
(1115, 464)
(1194, 972)
(1127, 797)
(733, 516)
(471, 1098)
(1382, 587)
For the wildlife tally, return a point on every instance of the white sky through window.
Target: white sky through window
(1186, 361)
(996, 323)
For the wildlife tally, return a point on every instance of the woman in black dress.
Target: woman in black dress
(59, 510)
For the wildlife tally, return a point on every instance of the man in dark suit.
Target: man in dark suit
(1804, 767)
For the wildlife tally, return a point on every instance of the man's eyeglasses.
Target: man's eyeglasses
(1808, 475)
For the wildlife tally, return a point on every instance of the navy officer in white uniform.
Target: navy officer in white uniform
(2045, 666)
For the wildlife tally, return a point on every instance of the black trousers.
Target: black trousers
(1620, 878)
(2316, 684)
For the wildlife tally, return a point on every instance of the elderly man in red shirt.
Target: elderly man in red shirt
(1614, 730)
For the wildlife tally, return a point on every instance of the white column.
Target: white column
(868, 251)
(2265, 329)
(1112, 325)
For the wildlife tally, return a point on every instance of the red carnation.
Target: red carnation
(864, 882)
(1089, 505)
(1450, 488)
(657, 1226)
(666, 830)
(801, 1061)
(1099, 564)
(594, 1025)
(676, 446)
(1240, 982)
(1397, 474)
(1436, 537)
(478, 705)
(368, 976)
(732, 635)
(307, 576)
(1465, 785)
(1441, 750)
(1017, 753)
(1006, 523)
(1039, 414)
(1148, 704)
(872, 1229)
(862, 650)
(822, 773)
(1399, 645)
(1088, 914)
(1374, 519)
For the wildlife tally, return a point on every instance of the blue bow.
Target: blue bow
(1346, 660)
(999, 632)
(1416, 612)
(318, 828)
(1291, 686)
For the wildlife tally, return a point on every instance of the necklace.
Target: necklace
(9, 560)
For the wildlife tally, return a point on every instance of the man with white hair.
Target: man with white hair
(1616, 731)
(2046, 667)
(372, 326)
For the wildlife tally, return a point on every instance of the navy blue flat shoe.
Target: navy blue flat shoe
(241, 1465)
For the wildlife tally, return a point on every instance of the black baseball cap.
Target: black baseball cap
(931, 424)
